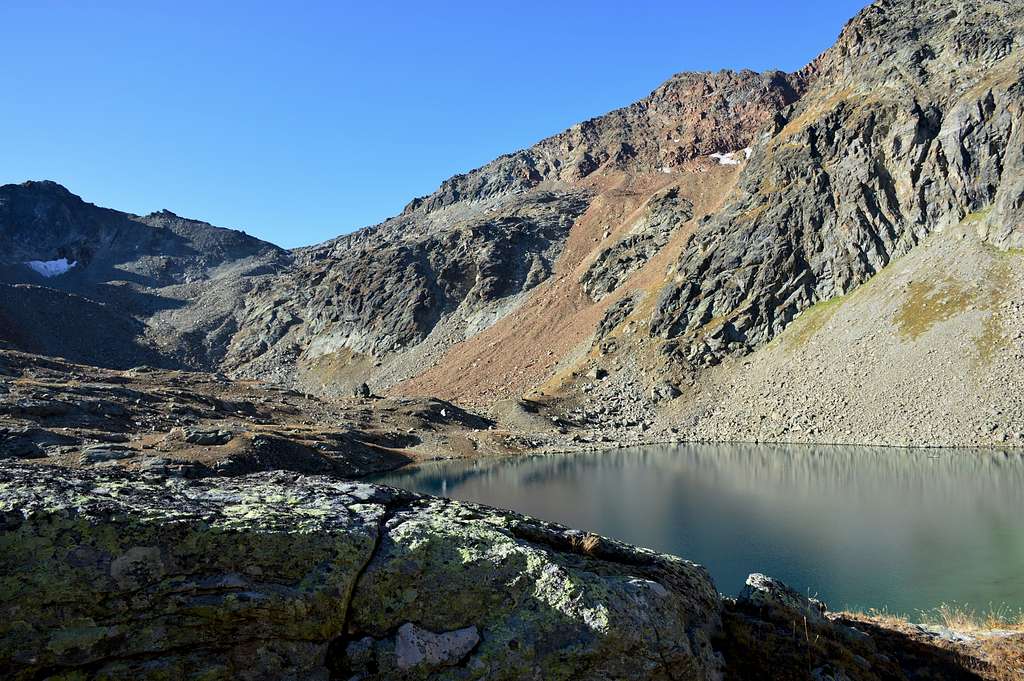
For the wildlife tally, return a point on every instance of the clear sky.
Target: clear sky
(300, 121)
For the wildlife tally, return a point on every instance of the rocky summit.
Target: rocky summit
(833, 255)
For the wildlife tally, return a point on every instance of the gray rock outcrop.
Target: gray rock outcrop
(664, 213)
(776, 600)
(383, 289)
(278, 576)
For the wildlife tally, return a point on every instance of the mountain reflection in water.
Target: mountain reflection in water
(861, 527)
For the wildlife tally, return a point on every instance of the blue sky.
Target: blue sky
(301, 121)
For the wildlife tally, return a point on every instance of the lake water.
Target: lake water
(861, 527)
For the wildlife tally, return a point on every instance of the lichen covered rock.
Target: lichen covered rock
(550, 603)
(276, 576)
(113, 577)
(775, 600)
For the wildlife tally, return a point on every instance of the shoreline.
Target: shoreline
(615, 445)
(929, 616)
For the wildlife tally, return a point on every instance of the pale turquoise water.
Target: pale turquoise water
(861, 527)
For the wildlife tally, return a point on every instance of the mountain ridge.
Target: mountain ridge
(682, 232)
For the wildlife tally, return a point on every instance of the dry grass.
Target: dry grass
(757, 211)
(587, 544)
(996, 654)
(812, 320)
(968, 619)
(816, 110)
(954, 616)
(993, 338)
(977, 216)
(1001, 659)
(881, 617)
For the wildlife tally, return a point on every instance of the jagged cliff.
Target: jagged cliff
(913, 124)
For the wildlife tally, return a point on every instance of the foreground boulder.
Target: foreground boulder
(279, 576)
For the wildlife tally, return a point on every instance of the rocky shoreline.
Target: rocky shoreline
(201, 425)
(163, 524)
(119, 575)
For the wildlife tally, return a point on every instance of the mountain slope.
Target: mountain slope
(385, 303)
(912, 124)
(911, 128)
(115, 289)
(927, 352)
(643, 270)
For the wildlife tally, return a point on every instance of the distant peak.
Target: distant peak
(44, 185)
(163, 212)
(40, 189)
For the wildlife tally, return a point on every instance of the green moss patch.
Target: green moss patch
(977, 216)
(929, 303)
(812, 320)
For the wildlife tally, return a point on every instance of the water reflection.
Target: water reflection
(861, 527)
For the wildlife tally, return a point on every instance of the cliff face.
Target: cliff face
(378, 292)
(689, 116)
(912, 124)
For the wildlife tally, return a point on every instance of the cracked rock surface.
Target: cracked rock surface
(274, 575)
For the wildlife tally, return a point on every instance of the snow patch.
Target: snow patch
(729, 159)
(50, 268)
(666, 170)
(726, 159)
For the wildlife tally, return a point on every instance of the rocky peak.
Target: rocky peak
(108, 274)
(42, 220)
(38, 217)
(936, 43)
(41, 188)
(690, 115)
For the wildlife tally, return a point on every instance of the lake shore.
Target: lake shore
(180, 563)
